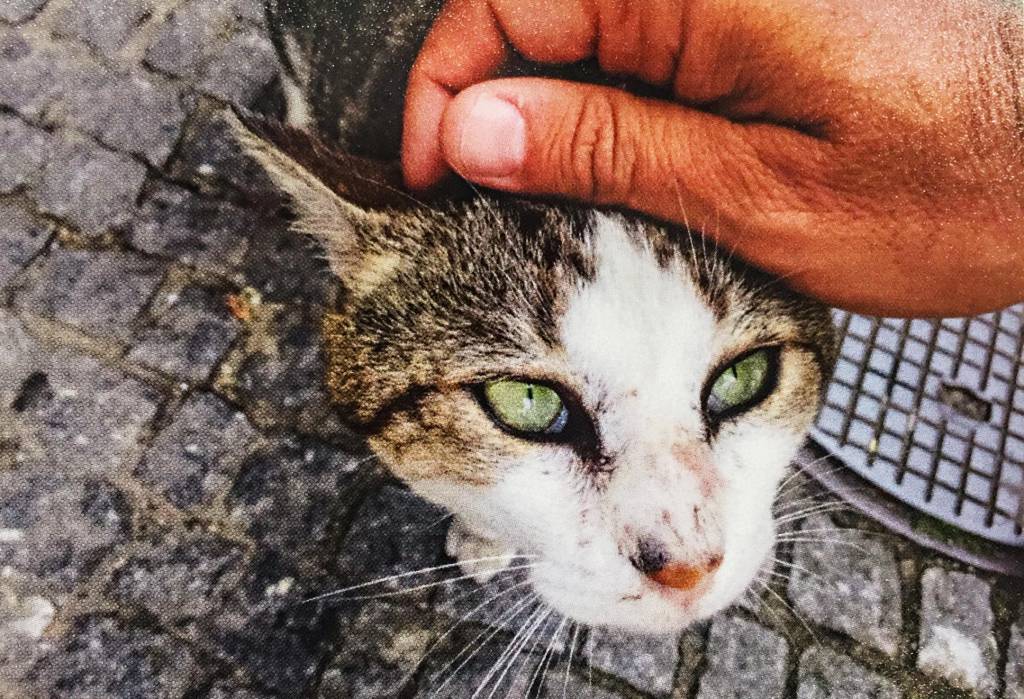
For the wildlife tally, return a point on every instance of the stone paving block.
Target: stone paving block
(243, 67)
(24, 150)
(825, 674)
(82, 416)
(646, 662)
(288, 494)
(194, 229)
(848, 582)
(209, 157)
(107, 26)
(193, 460)
(93, 188)
(15, 11)
(179, 580)
(36, 74)
(957, 641)
(22, 236)
(1014, 675)
(57, 530)
(188, 330)
(139, 113)
(25, 617)
(382, 648)
(264, 628)
(744, 660)
(100, 292)
(106, 658)
(206, 42)
(278, 375)
(558, 686)
(413, 542)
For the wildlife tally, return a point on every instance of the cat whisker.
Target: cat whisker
(816, 540)
(792, 611)
(568, 667)
(511, 652)
(541, 673)
(465, 617)
(421, 571)
(490, 633)
(427, 586)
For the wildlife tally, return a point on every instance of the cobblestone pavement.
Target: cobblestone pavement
(172, 485)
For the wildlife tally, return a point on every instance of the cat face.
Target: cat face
(616, 400)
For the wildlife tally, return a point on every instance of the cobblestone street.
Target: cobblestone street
(174, 485)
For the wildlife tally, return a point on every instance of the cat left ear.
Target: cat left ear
(333, 194)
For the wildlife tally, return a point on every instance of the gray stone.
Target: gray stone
(22, 236)
(57, 530)
(278, 373)
(105, 658)
(957, 641)
(743, 660)
(382, 649)
(287, 495)
(15, 11)
(209, 157)
(561, 685)
(37, 74)
(264, 627)
(98, 292)
(411, 544)
(138, 114)
(75, 414)
(196, 230)
(207, 43)
(23, 151)
(1014, 675)
(179, 581)
(25, 617)
(188, 330)
(93, 188)
(244, 66)
(106, 26)
(646, 662)
(825, 674)
(194, 459)
(848, 582)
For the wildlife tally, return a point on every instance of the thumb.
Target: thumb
(608, 147)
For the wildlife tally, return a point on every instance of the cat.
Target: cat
(613, 398)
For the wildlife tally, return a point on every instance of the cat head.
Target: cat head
(616, 398)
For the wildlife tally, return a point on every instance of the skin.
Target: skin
(869, 151)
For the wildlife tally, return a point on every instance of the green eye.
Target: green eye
(741, 383)
(526, 407)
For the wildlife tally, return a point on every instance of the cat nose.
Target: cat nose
(653, 560)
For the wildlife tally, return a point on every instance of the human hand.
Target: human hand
(870, 152)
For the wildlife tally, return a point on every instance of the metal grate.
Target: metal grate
(933, 413)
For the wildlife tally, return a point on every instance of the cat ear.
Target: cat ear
(336, 197)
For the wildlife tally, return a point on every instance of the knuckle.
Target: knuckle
(600, 162)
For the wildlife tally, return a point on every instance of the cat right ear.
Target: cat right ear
(333, 195)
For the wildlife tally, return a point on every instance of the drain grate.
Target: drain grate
(932, 412)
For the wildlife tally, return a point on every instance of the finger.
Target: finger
(608, 147)
(468, 44)
(464, 46)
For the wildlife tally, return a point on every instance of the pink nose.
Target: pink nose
(682, 576)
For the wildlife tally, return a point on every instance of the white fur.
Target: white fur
(299, 115)
(640, 343)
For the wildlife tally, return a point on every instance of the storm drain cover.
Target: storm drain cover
(932, 412)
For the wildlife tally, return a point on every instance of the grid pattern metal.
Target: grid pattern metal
(933, 413)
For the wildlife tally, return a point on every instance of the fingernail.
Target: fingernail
(493, 141)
